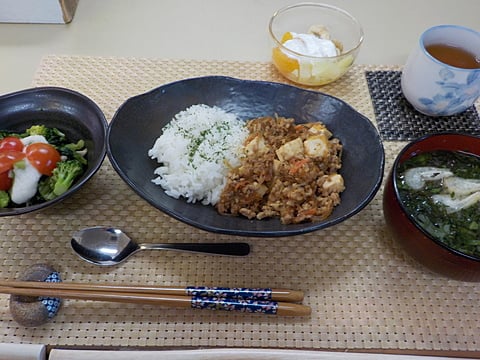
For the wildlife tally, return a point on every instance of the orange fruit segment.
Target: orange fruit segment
(287, 36)
(283, 62)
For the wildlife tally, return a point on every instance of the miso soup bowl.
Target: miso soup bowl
(428, 251)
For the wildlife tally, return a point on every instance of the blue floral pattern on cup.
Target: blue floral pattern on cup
(454, 97)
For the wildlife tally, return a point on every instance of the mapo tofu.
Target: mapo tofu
(287, 170)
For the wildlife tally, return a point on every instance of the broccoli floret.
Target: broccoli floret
(66, 173)
(4, 199)
(75, 151)
(61, 180)
(45, 189)
(79, 145)
(52, 135)
(6, 133)
(36, 130)
(58, 139)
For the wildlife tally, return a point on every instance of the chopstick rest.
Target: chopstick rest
(29, 311)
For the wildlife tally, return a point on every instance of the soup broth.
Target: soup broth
(441, 191)
(454, 56)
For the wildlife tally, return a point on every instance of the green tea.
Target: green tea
(454, 56)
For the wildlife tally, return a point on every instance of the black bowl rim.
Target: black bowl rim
(248, 233)
(88, 175)
(412, 220)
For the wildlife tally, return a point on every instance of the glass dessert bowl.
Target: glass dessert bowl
(314, 44)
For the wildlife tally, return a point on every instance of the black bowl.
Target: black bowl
(139, 122)
(75, 115)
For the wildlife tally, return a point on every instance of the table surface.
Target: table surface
(365, 293)
(113, 50)
(210, 30)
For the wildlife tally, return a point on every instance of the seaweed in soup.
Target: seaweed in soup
(458, 229)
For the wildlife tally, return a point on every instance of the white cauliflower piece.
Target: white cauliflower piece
(33, 139)
(25, 182)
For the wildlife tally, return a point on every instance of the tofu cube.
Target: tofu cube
(256, 146)
(316, 146)
(291, 149)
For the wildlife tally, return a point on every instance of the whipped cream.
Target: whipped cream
(311, 45)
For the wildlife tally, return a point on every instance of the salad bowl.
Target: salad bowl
(72, 113)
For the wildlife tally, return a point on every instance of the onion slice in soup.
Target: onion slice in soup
(416, 177)
(456, 204)
(460, 186)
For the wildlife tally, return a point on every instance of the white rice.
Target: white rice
(195, 151)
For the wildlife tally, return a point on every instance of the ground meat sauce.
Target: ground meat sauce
(287, 170)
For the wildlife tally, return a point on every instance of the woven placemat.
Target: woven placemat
(365, 293)
(398, 120)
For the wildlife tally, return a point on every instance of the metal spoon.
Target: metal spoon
(110, 246)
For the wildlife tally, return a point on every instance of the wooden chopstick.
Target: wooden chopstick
(284, 295)
(179, 301)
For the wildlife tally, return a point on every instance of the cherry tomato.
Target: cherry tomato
(5, 181)
(11, 143)
(8, 158)
(43, 157)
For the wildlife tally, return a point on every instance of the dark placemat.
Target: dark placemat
(398, 120)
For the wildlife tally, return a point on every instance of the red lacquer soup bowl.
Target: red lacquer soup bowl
(424, 248)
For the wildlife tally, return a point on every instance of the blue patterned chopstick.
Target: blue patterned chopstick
(230, 304)
(260, 294)
(263, 294)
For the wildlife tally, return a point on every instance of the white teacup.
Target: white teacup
(434, 87)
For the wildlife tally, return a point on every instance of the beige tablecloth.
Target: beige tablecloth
(365, 293)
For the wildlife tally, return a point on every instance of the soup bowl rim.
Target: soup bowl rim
(399, 160)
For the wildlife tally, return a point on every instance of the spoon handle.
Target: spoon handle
(234, 248)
